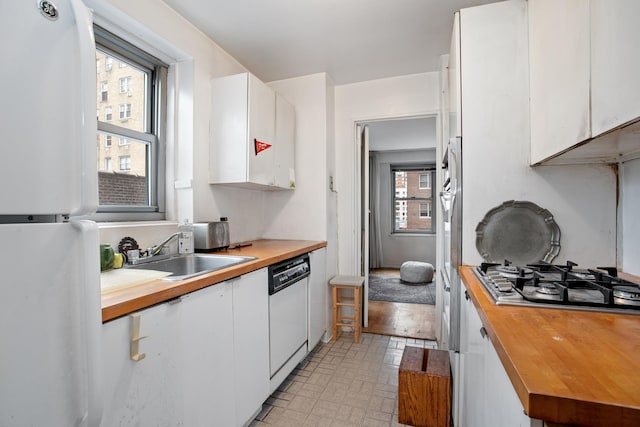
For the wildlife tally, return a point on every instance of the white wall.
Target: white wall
(405, 96)
(397, 248)
(629, 233)
(302, 213)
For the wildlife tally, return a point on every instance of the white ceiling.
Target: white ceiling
(351, 40)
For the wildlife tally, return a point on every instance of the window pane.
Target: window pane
(122, 171)
(408, 216)
(126, 87)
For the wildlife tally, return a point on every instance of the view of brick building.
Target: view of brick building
(120, 101)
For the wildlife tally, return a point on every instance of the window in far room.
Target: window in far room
(412, 198)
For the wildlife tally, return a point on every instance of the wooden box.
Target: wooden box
(424, 388)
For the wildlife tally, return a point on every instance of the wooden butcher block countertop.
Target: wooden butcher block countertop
(567, 366)
(123, 301)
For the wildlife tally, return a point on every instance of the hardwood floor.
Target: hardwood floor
(401, 319)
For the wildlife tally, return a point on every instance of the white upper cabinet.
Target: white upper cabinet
(245, 148)
(584, 80)
(559, 73)
(615, 63)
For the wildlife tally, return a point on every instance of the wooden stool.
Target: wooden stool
(339, 284)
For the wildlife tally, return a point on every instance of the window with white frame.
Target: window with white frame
(425, 181)
(135, 189)
(108, 63)
(425, 210)
(412, 198)
(125, 84)
(125, 163)
(125, 111)
(104, 91)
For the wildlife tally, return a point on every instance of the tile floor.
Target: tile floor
(342, 384)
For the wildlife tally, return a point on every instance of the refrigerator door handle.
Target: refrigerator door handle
(445, 197)
(88, 150)
(92, 325)
(454, 180)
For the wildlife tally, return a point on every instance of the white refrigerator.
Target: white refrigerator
(50, 317)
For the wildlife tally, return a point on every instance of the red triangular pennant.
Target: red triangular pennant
(260, 146)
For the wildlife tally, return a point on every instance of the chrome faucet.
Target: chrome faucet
(155, 250)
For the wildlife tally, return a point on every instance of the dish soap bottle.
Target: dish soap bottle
(185, 240)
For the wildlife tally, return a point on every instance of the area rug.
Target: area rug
(389, 287)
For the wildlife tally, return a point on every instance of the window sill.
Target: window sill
(136, 224)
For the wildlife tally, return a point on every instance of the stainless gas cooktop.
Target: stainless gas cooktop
(560, 286)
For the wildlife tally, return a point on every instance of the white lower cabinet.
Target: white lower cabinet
(250, 344)
(318, 289)
(148, 391)
(487, 397)
(206, 359)
(207, 353)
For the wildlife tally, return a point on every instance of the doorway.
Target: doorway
(397, 225)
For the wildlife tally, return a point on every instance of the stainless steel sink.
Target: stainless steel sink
(186, 266)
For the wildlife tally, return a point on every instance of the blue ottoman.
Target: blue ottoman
(416, 272)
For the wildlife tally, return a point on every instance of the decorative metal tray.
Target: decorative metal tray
(519, 231)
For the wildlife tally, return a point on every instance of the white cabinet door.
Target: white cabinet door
(318, 289)
(285, 144)
(147, 392)
(487, 395)
(262, 122)
(559, 66)
(250, 344)
(615, 63)
(206, 346)
(229, 130)
(473, 401)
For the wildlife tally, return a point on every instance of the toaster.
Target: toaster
(211, 235)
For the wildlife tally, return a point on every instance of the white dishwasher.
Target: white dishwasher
(288, 287)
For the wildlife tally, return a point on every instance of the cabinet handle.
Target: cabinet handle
(135, 338)
(466, 295)
(483, 332)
